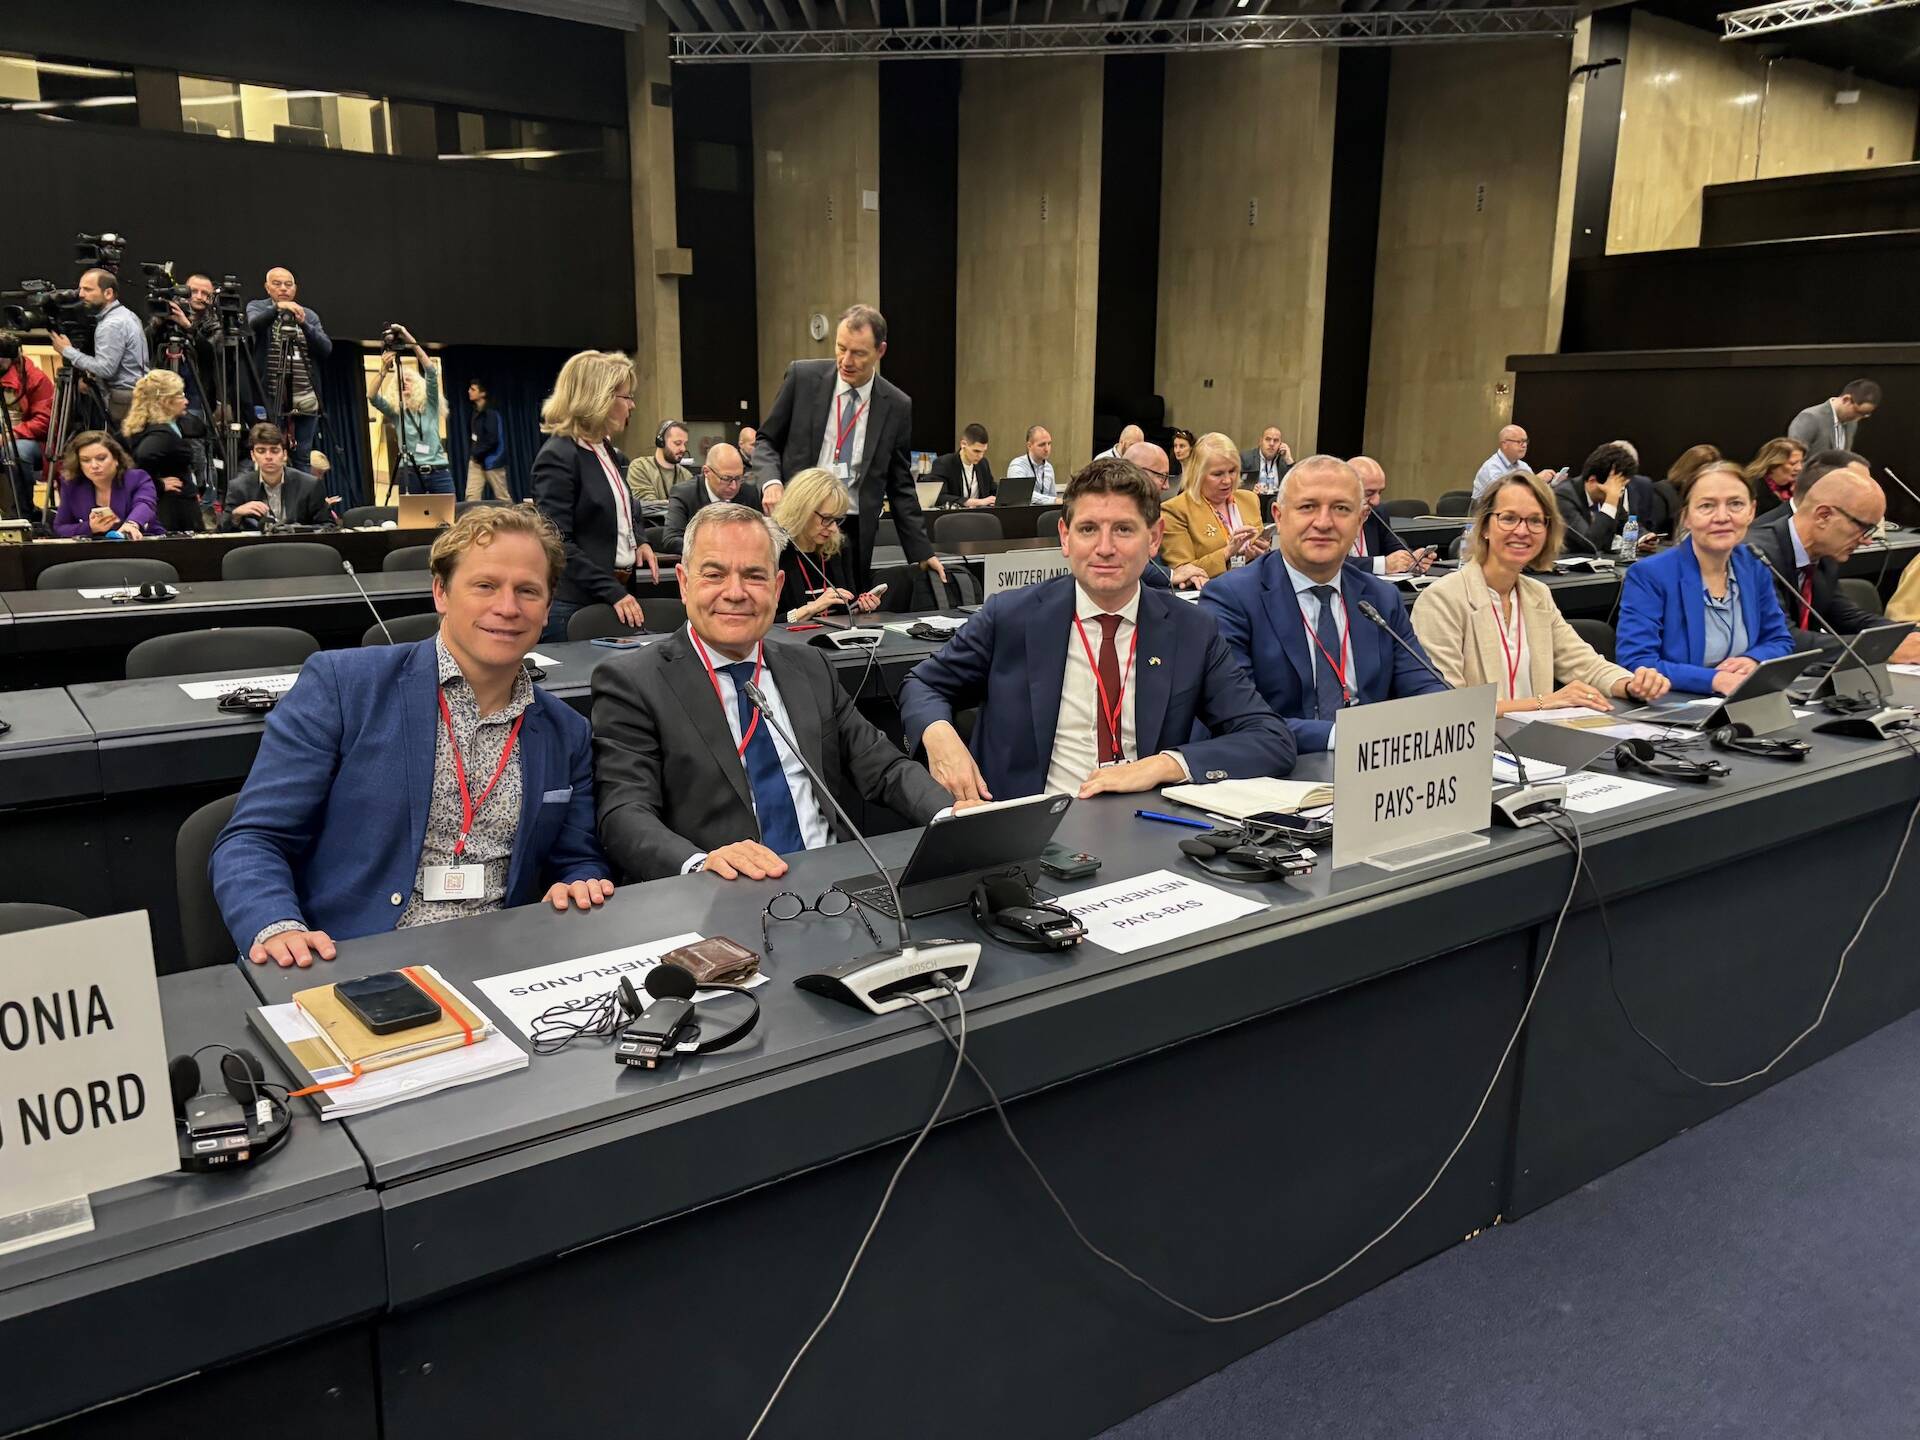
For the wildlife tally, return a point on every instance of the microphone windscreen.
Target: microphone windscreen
(183, 1074)
(670, 982)
(241, 1070)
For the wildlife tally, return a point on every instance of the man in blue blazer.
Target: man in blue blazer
(1091, 682)
(1293, 616)
(403, 785)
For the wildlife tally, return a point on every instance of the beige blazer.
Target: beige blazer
(1454, 619)
(1194, 536)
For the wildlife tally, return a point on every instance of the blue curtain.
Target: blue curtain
(517, 381)
(343, 399)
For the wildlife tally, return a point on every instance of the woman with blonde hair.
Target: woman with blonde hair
(411, 402)
(579, 483)
(1773, 472)
(813, 565)
(1212, 522)
(1491, 621)
(152, 428)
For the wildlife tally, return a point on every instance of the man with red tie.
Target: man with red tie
(1091, 682)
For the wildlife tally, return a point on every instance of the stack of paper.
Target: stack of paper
(1239, 799)
(1506, 773)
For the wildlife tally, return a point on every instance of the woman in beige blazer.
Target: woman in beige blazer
(1212, 522)
(1491, 621)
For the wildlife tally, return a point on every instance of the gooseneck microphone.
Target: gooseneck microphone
(1888, 716)
(1528, 804)
(1887, 470)
(347, 565)
(887, 979)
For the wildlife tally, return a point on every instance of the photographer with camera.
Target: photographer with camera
(26, 412)
(288, 339)
(119, 355)
(417, 416)
(192, 329)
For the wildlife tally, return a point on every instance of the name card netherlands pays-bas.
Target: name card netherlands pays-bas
(85, 1102)
(1413, 778)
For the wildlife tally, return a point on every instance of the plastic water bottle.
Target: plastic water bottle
(1628, 545)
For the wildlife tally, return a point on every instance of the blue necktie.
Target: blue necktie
(846, 421)
(1326, 684)
(772, 801)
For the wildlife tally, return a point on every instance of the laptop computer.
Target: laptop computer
(929, 491)
(956, 853)
(422, 512)
(1014, 490)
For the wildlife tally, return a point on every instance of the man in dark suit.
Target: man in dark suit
(721, 481)
(844, 415)
(689, 775)
(1595, 503)
(272, 490)
(352, 823)
(1808, 543)
(1378, 550)
(1293, 616)
(965, 476)
(1091, 681)
(1265, 466)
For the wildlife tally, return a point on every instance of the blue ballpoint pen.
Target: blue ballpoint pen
(1173, 819)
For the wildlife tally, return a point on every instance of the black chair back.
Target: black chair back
(244, 647)
(461, 507)
(950, 527)
(1403, 509)
(95, 574)
(279, 560)
(1454, 502)
(1863, 593)
(1597, 633)
(596, 622)
(1046, 524)
(414, 557)
(369, 515)
(203, 933)
(886, 534)
(15, 917)
(405, 629)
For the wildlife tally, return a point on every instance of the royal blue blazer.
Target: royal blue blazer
(1663, 616)
(1010, 659)
(1259, 618)
(329, 826)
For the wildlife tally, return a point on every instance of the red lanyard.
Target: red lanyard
(1110, 713)
(622, 497)
(847, 427)
(468, 806)
(1346, 644)
(707, 660)
(1360, 541)
(1513, 655)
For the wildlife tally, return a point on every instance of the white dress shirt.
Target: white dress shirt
(1022, 465)
(1496, 466)
(814, 828)
(1076, 742)
(1310, 616)
(863, 397)
(970, 486)
(623, 546)
(1510, 630)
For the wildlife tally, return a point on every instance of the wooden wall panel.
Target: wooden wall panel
(1700, 112)
(816, 150)
(1029, 261)
(1242, 305)
(1469, 212)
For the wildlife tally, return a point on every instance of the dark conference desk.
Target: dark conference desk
(199, 557)
(1231, 1112)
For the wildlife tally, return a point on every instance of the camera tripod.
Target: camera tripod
(12, 507)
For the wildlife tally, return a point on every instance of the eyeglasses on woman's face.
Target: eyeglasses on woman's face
(1511, 520)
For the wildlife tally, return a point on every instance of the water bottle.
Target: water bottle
(1628, 545)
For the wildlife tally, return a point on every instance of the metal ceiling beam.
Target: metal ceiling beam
(711, 12)
(1100, 37)
(1793, 14)
(678, 14)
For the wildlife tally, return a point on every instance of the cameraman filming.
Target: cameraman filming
(26, 412)
(197, 325)
(288, 339)
(119, 356)
(417, 416)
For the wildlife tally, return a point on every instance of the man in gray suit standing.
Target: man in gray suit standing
(688, 776)
(842, 414)
(1830, 424)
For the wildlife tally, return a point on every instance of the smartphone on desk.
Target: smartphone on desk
(620, 642)
(387, 1002)
(1289, 825)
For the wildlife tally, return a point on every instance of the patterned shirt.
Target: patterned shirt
(495, 824)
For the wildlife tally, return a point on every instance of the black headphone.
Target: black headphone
(1642, 755)
(1728, 737)
(1233, 854)
(248, 700)
(660, 435)
(667, 981)
(1007, 909)
(244, 1120)
(921, 630)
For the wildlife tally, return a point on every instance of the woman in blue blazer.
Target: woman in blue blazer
(1703, 613)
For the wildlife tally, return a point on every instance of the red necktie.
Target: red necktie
(1109, 734)
(1806, 595)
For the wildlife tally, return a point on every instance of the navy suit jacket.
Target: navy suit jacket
(1382, 540)
(329, 827)
(1259, 618)
(1663, 616)
(1010, 659)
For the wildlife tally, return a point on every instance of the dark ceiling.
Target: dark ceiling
(1884, 47)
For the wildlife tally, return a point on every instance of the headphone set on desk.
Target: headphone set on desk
(1729, 737)
(1650, 759)
(247, 700)
(236, 1122)
(151, 593)
(1006, 907)
(1235, 853)
(666, 1029)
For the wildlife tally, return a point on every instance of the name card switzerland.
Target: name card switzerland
(1017, 569)
(1410, 770)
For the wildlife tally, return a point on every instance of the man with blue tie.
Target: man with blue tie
(689, 775)
(1295, 616)
(1091, 682)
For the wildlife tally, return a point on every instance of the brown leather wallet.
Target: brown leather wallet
(716, 961)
